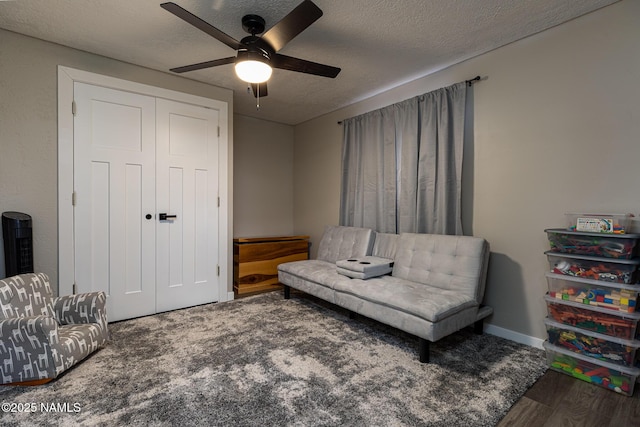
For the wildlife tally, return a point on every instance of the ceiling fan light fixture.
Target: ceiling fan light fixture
(252, 71)
(252, 66)
(255, 53)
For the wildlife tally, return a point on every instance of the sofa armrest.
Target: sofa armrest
(35, 336)
(364, 267)
(81, 308)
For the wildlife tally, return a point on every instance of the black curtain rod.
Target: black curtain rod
(468, 82)
(472, 81)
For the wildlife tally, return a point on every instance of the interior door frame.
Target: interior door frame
(66, 78)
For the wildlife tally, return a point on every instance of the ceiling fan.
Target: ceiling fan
(257, 55)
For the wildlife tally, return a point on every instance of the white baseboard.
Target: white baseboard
(514, 336)
(230, 296)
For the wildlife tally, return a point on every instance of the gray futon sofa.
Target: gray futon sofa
(433, 287)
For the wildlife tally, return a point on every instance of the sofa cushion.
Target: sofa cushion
(339, 242)
(79, 341)
(385, 245)
(424, 301)
(316, 271)
(450, 263)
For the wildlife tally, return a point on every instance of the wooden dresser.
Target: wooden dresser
(256, 260)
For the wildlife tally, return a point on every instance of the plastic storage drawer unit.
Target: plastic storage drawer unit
(601, 347)
(593, 318)
(593, 292)
(607, 375)
(619, 246)
(596, 268)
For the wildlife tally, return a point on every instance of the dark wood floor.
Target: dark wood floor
(560, 400)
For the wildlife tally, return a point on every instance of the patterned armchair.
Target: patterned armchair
(42, 336)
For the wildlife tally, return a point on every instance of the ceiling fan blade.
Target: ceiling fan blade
(263, 89)
(206, 64)
(190, 18)
(293, 24)
(303, 66)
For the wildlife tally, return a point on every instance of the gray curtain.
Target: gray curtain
(368, 196)
(402, 165)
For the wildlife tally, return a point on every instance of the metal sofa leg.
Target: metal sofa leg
(478, 327)
(287, 292)
(423, 350)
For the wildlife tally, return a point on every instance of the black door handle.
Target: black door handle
(164, 216)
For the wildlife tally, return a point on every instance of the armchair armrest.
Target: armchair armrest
(18, 328)
(35, 336)
(81, 308)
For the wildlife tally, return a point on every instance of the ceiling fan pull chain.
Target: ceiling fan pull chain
(258, 97)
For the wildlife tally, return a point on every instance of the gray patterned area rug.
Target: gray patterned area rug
(266, 361)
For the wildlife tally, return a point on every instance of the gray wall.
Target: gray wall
(28, 129)
(556, 130)
(263, 180)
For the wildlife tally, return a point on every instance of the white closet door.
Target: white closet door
(187, 192)
(114, 183)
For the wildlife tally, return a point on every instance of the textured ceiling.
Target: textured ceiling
(378, 44)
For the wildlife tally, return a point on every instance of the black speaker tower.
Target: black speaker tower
(18, 243)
